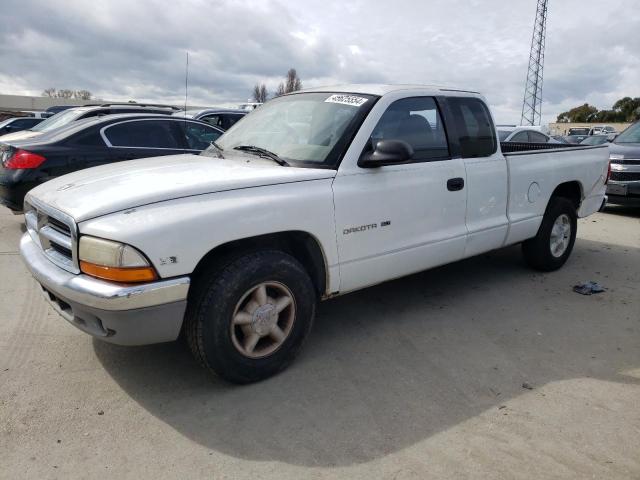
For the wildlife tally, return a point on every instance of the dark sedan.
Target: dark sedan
(92, 142)
(17, 124)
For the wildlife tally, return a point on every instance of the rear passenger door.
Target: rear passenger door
(475, 140)
(398, 219)
(132, 139)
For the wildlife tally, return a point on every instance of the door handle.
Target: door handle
(455, 184)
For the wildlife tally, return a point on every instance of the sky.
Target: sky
(136, 49)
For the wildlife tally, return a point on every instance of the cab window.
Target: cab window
(474, 127)
(416, 121)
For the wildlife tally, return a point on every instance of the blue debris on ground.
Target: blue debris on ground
(588, 288)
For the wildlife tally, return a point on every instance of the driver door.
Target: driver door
(399, 219)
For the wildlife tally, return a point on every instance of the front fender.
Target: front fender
(175, 235)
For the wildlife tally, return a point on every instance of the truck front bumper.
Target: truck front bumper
(121, 314)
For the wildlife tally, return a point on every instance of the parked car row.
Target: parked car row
(30, 160)
(35, 150)
(523, 135)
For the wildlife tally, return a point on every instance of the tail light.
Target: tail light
(22, 159)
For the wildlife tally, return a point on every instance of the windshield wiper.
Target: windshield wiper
(263, 153)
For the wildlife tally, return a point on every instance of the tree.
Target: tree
(627, 108)
(280, 90)
(260, 93)
(65, 93)
(82, 94)
(578, 114)
(292, 83)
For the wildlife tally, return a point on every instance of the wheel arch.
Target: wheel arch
(572, 191)
(301, 245)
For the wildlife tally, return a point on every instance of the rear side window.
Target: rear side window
(474, 127)
(143, 134)
(536, 137)
(199, 137)
(416, 121)
(520, 137)
(215, 120)
(25, 122)
(229, 119)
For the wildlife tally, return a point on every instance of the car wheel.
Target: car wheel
(551, 247)
(248, 320)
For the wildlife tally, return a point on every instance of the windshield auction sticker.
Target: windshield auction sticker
(352, 100)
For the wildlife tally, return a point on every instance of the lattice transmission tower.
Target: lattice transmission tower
(532, 103)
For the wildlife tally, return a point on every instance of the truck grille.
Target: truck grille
(625, 176)
(55, 232)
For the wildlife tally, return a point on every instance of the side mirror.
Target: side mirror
(611, 137)
(387, 152)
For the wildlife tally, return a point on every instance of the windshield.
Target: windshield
(594, 140)
(630, 135)
(311, 129)
(6, 122)
(578, 131)
(503, 134)
(57, 120)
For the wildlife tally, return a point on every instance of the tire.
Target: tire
(229, 309)
(550, 249)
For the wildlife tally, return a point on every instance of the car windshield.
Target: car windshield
(6, 122)
(57, 120)
(578, 131)
(305, 129)
(630, 135)
(594, 140)
(503, 134)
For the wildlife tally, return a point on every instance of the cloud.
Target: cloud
(123, 49)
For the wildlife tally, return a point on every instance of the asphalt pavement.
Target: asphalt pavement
(479, 369)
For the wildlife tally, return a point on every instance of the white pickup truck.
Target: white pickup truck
(312, 195)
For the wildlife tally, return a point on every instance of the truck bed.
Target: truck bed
(535, 170)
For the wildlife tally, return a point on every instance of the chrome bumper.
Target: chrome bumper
(97, 293)
(126, 315)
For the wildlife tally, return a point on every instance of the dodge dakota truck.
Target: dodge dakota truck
(312, 195)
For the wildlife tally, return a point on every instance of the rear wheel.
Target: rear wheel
(248, 320)
(551, 247)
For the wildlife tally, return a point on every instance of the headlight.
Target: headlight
(114, 261)
(615, 156)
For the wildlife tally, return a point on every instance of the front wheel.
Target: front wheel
(248, 320)
(551, 247)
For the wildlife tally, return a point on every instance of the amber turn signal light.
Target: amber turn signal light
(120, 275)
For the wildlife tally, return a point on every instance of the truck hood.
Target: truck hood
(110, 188)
